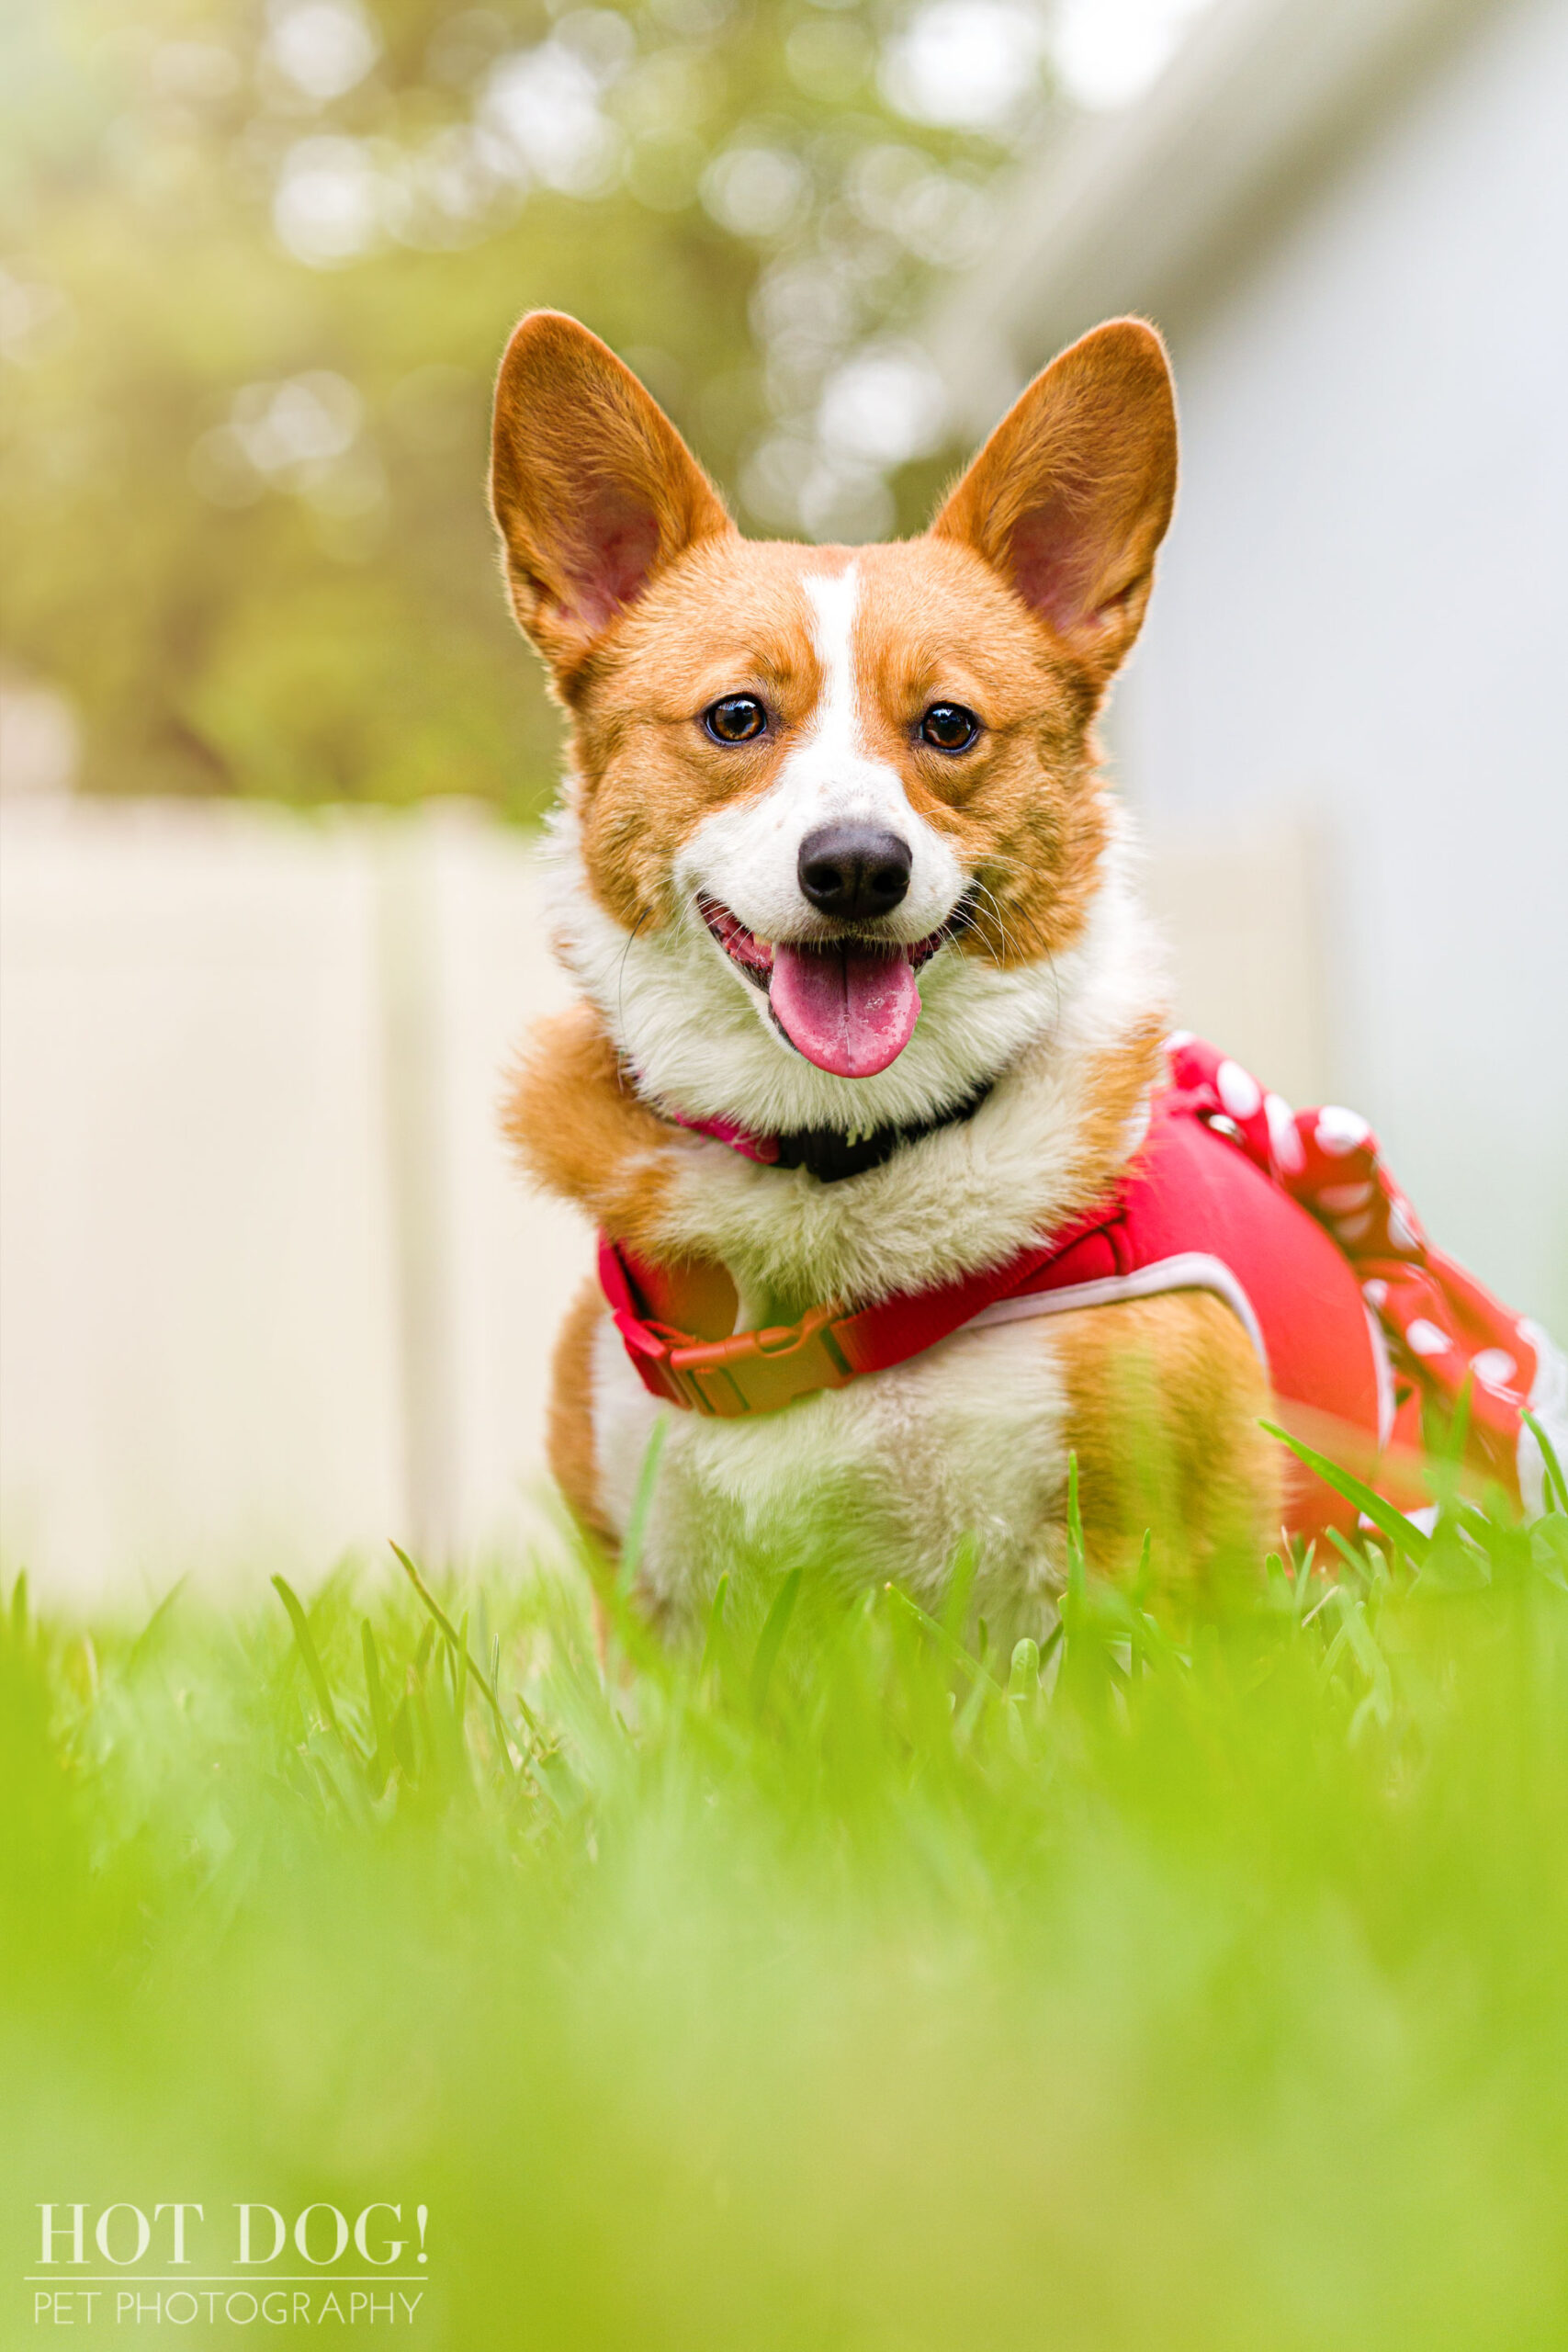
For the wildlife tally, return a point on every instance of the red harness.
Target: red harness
(1292, 1220)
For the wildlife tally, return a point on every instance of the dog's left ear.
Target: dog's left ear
(1070, 497)
(592, 489)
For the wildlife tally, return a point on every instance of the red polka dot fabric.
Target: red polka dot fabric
(1450, 1340)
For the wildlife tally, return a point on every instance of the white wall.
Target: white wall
(268, 1287)
(1360, 623)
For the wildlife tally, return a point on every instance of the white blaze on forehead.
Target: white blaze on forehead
(834, 596)
(748, 854)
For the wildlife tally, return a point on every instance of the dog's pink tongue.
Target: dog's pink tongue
(849, 1010)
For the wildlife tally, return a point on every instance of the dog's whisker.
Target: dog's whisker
(965, 925)
(983, 891)
(620, 971)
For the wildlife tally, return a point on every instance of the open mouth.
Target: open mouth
(849, 1005)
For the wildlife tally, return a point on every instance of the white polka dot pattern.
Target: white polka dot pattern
(1448, 1337)
(1426, 1339)
(1339, 1131)
(1240, 1092)
(1284, 1142)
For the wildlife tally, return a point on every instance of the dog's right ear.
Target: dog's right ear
(592, 489)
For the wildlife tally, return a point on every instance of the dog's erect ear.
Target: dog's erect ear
(592, 487)
(1070, 497)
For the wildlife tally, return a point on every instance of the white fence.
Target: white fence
(269, 1287)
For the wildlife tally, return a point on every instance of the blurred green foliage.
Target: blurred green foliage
(1198, 1987)
(259, 263)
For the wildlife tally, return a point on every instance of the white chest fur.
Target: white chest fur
(879, 1480)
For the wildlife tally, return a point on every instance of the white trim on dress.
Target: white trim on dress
(1189, 1269)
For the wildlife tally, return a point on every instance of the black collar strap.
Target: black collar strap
(825, 1151)
(831, 1156)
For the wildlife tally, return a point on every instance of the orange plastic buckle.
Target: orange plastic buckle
(756, 1372)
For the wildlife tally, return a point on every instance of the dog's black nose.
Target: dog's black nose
(854, 871)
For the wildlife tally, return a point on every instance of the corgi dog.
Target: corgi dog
(868, 1006)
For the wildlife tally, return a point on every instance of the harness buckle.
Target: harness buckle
(756, 1372)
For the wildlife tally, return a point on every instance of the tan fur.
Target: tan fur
(1072, 494)
(580, 1131)
(592, 487)
(1165, 1396)
(730, 617)
(1117, 1084)
(569, 1431)
(1019, 603)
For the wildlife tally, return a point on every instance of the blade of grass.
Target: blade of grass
(1145, 1575)
(1350, 1553)
(1305, 1557)
(1457, 1435)
(304, 1641)
(1401, 1531)
(376, 1697)
(713, 1633)
(1077, 1561)
(1023, 1673)
(149, 1633)
(460, 1670)
(960, 1584)
(976, 1700)
(642, 1505)
(402, 1734)
(940, 1635)
(481, 1677)
(1555, 1478)
(771, 1639)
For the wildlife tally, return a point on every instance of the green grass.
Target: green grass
(840, 1987)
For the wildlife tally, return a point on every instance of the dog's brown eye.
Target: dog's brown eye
(735, 718)
(949, 726)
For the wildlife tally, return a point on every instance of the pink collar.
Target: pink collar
(761, 1148)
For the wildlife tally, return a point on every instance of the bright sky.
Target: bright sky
(1107, 51)
(967, 61)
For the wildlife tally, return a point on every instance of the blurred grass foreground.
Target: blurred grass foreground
(1199, 1985)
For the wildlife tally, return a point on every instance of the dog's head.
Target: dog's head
(812, 788)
